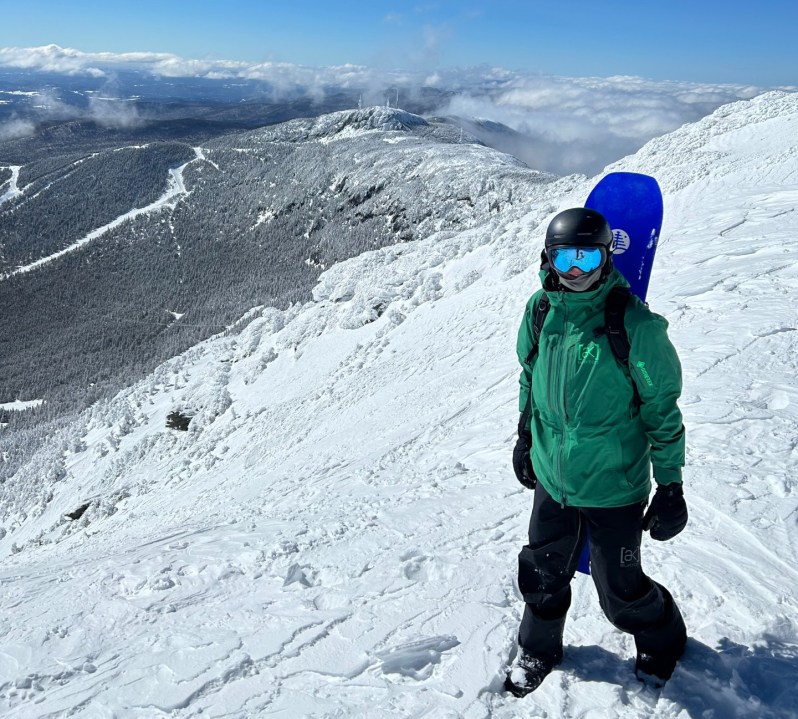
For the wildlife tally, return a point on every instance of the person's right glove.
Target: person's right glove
(522, 462)
(667, 514)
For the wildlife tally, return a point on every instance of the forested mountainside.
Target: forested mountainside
(114, 260)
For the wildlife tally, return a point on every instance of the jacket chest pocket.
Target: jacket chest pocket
(595, 384)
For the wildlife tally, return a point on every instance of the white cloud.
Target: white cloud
(582, 124)
(48, 106)
(53, 58)
(15, 129)
(564, 124)
(104, 108)
(114, 113)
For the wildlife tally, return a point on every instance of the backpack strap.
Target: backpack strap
(537, 326)
(614, 314)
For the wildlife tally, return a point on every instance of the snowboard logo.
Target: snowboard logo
(620, 242)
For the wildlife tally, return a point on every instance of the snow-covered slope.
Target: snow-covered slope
(336, 533)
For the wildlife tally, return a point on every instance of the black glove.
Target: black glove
(667, 515)
(522, 462)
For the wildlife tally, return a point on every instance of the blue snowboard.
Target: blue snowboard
(632, 204)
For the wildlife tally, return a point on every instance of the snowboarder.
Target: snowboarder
(592, 426)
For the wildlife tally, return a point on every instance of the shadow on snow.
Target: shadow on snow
(732, 681)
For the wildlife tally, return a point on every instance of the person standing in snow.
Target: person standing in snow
(591, 428)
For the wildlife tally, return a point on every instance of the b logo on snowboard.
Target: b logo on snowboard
(620, 242)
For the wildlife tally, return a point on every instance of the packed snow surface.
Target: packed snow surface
(336, 533)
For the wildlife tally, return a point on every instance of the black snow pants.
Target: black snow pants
(631, 600)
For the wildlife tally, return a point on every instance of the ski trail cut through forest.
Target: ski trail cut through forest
(13, 189)
(175, 189)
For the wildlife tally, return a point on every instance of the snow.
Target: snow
(19, 405)
(13, 190)
(200, 153)
(336, 533)
(266, 216)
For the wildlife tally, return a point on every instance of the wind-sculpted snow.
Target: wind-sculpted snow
(336, 533)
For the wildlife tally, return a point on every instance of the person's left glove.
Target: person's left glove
(522, 462)
(667, 515)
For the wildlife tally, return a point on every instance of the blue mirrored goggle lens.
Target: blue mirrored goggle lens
(586, 259)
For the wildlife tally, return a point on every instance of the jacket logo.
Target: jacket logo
(646, 376)
(630, 557)
(589, 353)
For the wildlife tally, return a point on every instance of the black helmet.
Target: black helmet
(580, 227)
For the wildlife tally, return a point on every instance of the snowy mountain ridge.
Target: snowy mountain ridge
(336, 532)
(178, 241)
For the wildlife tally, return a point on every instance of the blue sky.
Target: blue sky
(700, 41)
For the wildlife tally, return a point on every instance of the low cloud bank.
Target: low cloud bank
(47, 106)
(568, 125)
(559, 124)
(15, 129)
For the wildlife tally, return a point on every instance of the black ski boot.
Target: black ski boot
(660, 648)
(653, 670)
(527, 673)
(544, 637)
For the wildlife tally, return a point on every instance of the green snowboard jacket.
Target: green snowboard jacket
(594, 440)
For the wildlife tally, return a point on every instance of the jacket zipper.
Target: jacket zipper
(552, 376)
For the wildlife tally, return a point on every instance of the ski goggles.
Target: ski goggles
(586, 259)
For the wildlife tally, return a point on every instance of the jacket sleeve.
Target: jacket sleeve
(657, 374)
(523, 348)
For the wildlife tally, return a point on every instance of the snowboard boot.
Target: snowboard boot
(655, 670)
(659, 649)
(539, 651)
(527, 673)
